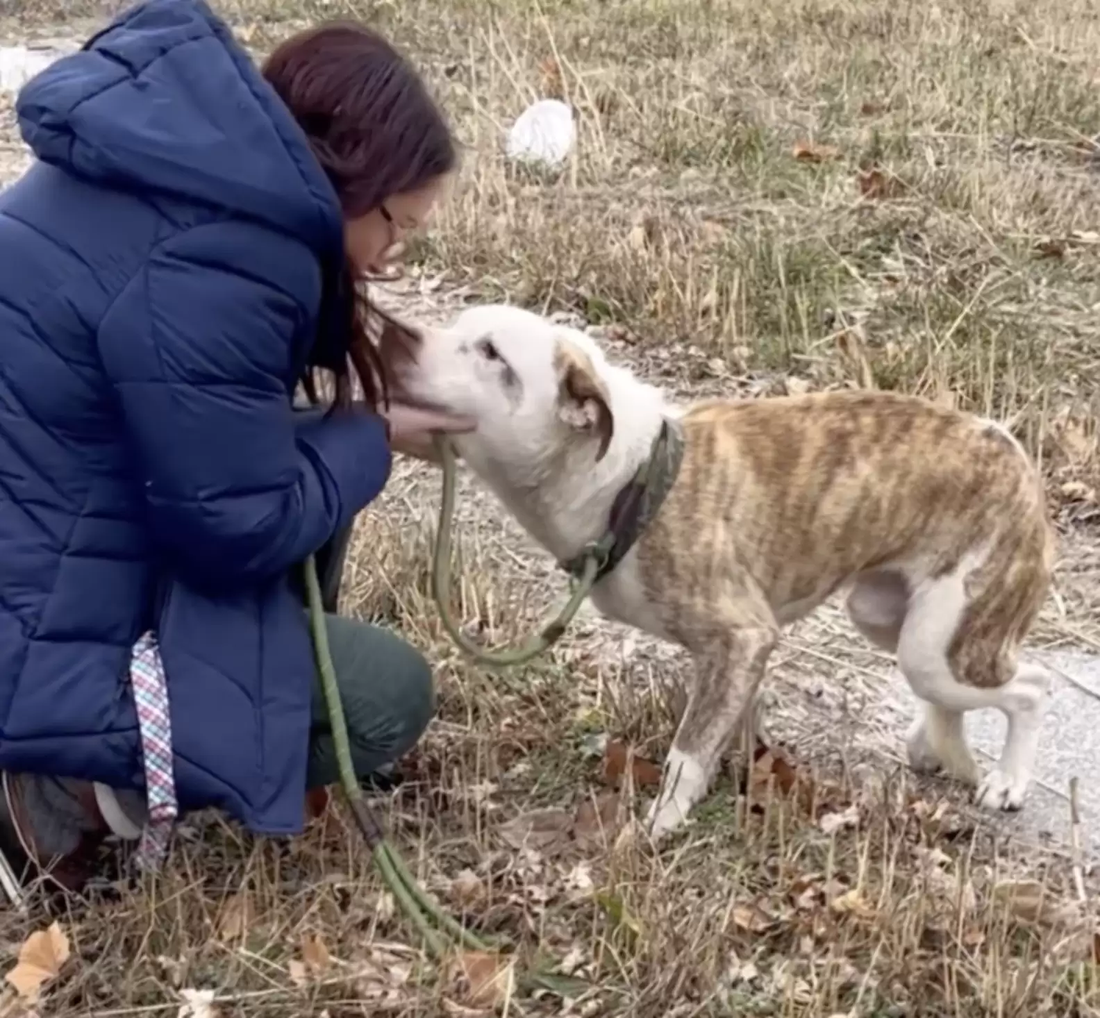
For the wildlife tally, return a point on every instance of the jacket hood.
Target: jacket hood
(164, 101)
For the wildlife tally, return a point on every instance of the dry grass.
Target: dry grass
(797, 892)
(938, 233)
(964, 267)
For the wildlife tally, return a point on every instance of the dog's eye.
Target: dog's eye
(488, 350)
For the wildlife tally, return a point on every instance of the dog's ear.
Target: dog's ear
(396, 341)
(583, 400)
(395, 348)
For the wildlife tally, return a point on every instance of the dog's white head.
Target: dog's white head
(535, 388)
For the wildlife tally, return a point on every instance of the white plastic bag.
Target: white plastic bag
(18, 64)
(543, 133)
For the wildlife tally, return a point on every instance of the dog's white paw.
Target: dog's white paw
(922, 758)
(1001, 790)
(683, 783)
(664, 817)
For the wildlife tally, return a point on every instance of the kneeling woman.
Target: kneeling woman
(181, 255)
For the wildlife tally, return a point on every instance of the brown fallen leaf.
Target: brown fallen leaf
(481, 980)
(938, 819)
(1030, 901)
(1023, 898)
(808, 892)
(1051, 248)
(879, 185)
(315, 954)
(644, 773)
(313, 963)
(853, 903)
(972, 936)
(543, 829)
(235, 917)
(871, 108)
(774, 768)
(1096, 947)
(40, 960)
(598, 820)
(752, 918)
(811, 152)
(468, 889)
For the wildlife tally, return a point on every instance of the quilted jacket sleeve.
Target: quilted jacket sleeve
(199, 348)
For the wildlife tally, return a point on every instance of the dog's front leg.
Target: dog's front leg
(729, 666)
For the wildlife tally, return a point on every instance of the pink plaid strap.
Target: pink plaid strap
(154, 724)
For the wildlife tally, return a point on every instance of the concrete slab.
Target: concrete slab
(1070, 747)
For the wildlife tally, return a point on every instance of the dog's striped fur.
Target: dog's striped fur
(934, 519)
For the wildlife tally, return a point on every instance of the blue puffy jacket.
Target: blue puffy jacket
(160, 291)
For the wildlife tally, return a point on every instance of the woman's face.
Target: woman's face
(376, 240)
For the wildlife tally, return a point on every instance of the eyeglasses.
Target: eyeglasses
(395, 230)
(394, 249)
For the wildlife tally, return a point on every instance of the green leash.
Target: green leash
(640, 501)
(435, 925)
(415, 903)
(441, 931)
(589, 566)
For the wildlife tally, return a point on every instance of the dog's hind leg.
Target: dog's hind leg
(1005, 786)
(731, 653)
(930, 657)
(877, 605)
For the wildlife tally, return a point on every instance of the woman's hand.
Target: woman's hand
(412, 429)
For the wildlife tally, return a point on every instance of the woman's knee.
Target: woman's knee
(417, 703)
(386, 683)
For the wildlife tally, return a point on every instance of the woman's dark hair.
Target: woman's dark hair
(377, 132)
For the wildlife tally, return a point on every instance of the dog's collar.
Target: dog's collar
(636, 505)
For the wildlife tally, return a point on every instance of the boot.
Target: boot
(50, 828)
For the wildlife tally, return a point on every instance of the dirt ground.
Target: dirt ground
(765, 198)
